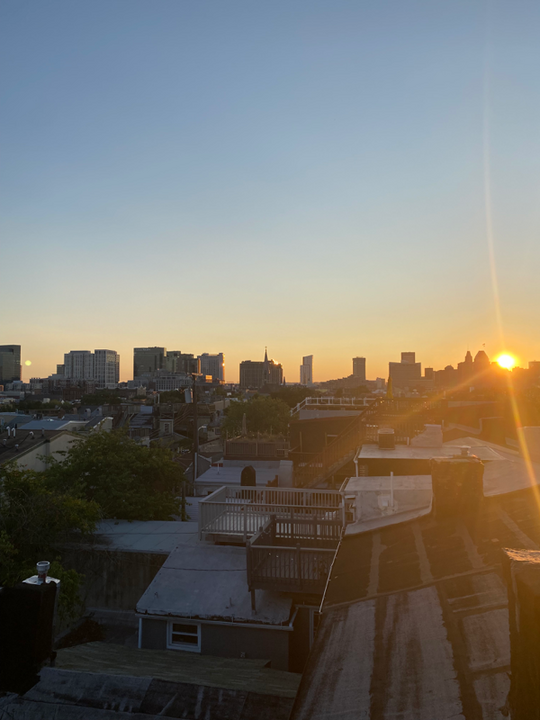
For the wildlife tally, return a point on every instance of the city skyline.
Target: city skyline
(339, 367)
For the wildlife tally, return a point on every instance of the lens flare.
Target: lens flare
(506, 361)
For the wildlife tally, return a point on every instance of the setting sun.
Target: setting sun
(506, 361)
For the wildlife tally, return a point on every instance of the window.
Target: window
(184, 636)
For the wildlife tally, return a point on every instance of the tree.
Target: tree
(101, 397)
(128, 481)
(294, 394)
(263, 414)
(35, 519)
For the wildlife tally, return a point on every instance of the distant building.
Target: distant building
(10, 363)
(107, 368)
(306, 371)
(359, 368)
(213, 365)
(406, 373)
(466, 369)
(148, 360)
(255, 374)
(534, 367)
(428, 374)
(101, 367)
(177, 362)
(79, 365)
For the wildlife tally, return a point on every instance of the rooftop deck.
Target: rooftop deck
(236, 514)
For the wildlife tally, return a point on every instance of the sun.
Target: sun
(506, 361)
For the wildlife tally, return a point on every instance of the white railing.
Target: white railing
(241, 512)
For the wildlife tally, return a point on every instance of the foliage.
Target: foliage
(294, 395)
(127, 481)
(35, 520)
(32, 403)
(172, 396)
(101, 397)
(263, 414)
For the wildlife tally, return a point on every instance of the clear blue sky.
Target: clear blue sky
(307, 175)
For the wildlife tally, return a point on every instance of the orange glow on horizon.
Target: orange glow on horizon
(506, 361)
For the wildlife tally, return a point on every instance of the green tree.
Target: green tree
(127, 481)
(101, 397)
(263, 414)
(35, 520)
(294, 394)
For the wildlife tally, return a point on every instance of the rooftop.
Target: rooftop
(214, 586)
(416, 617)
(149, 536)
(25, 440)
(220, 476)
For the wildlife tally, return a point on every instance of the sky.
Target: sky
(326, 177)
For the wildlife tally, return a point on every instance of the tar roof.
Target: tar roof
(209, 582)
(416, 617)
(232, 475)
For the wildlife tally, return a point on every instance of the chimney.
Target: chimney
(387, 438)
(521, 569)
(457, 483)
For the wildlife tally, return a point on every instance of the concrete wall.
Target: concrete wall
(113, 579)
(227, 641)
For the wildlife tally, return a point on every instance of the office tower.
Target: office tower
(408, 357)
(406, 373)
(306, 371)
(213, 365)
(10, 363)
(79, 365)
(178, 363)
(359, 368)
(148, 360)
(106, 367)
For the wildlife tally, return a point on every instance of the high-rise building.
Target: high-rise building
(306, 371)
(179, 363)
(79, 365)
(406, 373)
(101, 367)
(213, 365)
(10, 363)
(359, 368)
(106, 367)
(148, 360)
(408, 357)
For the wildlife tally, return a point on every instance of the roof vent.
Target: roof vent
(465, 449)
(387, 439)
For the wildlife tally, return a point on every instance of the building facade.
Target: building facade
(406, 373)
(359, 368)
(213, 365)
(10, 363)
(148, 360)
(306, 371)
(256, 374)
(101, 367)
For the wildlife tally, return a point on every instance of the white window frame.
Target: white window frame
(190, 647)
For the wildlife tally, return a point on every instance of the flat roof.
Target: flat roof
(412, 452)
(152, 536)
(232, 475)
(209, 582)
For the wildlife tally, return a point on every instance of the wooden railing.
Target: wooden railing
(241, 512)
(274, 562)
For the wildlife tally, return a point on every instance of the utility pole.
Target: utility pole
(195, 430)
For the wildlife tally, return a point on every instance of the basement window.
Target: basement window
(184, 636)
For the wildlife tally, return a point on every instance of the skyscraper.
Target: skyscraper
(213, 365)
(148, 360)
(101, 366)
(306, 370)
(10, 363)
(405, 373)
(359, 368)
